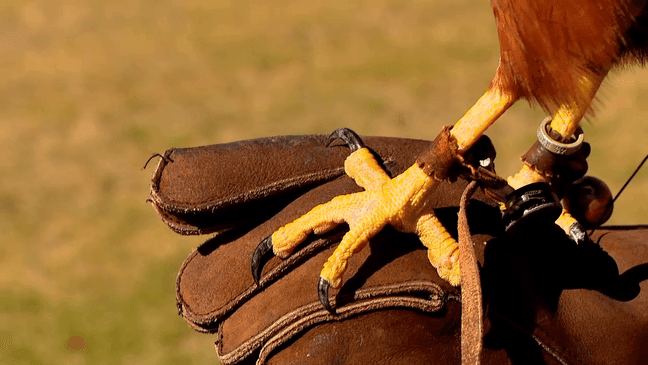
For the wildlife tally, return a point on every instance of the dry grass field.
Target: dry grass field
(90, 89)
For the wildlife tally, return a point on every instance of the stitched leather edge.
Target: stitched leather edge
(209, 322)
(425, 296)
(260, 192)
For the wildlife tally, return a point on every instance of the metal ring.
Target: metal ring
(556, 147)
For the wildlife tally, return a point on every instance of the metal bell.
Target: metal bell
(590, 202)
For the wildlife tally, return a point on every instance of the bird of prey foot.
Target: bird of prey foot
(554, 53)
(401, 202)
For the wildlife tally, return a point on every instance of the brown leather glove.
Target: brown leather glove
(393, 307)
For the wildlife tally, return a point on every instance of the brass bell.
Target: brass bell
(590, 202)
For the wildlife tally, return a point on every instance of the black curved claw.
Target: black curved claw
(322, 292)
(348, 136)
(578, 234)
(262, 254)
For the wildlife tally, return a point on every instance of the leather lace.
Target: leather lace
(471, 295)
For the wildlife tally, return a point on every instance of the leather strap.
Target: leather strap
(472, 330)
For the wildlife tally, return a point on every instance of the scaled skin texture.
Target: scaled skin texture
(400, 202)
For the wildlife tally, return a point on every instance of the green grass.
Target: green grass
(89, 89)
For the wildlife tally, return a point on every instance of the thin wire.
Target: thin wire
(630, 179)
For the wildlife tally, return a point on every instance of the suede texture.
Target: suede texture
(547, 301)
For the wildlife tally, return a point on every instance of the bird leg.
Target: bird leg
(479, 117)
(402, 201)
(564, 124)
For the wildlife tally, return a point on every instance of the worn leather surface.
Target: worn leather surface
(215, 188)
(547, 301)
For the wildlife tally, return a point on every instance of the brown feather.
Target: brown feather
(635, 49)
(548, 46)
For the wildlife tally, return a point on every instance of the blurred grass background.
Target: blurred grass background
(90, 89)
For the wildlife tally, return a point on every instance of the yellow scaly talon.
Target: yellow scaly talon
(397, 201)
(400, 201)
